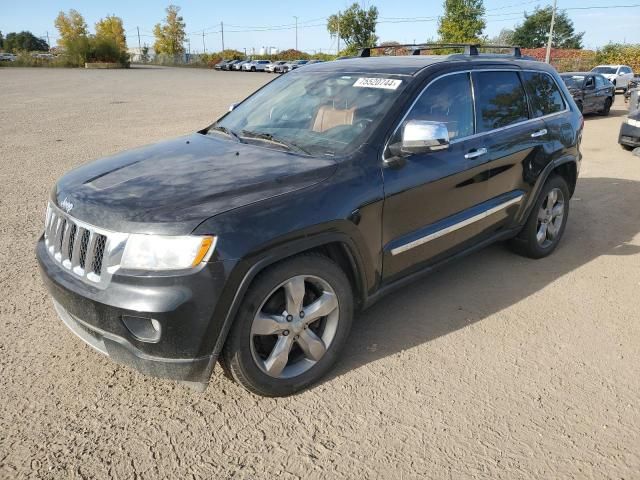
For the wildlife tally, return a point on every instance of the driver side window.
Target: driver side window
(447, 100)
(589, 83)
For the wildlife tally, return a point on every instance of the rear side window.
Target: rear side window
(447, 100)
(500, 100)
(544, 96)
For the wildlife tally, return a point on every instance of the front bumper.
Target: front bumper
(186, 308)
(629, 135)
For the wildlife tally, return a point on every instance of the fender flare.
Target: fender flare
(282, 252)
(542, 179)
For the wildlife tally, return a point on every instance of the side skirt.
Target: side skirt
(391, 287)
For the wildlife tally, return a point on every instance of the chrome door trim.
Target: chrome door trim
(456, 226)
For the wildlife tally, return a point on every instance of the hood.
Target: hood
(172, 186)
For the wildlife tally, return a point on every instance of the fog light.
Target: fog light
(146, 330)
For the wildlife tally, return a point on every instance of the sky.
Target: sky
(253, 24)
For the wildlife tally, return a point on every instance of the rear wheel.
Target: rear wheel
(607, 107)
(291, 326)
(547, 221)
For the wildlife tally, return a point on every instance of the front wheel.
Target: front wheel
(547, 221)
(291, 327)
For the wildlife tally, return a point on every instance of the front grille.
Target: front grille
(77, 246)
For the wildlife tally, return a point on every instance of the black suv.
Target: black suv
(254, 241)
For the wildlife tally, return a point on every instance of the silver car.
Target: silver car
(256, 66)
(273, 66)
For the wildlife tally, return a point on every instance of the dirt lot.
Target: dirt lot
(497, 367)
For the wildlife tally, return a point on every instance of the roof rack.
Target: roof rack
(471, 49)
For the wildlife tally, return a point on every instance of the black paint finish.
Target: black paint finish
(267, 204)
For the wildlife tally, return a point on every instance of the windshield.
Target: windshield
(605, 70)
(319, 114)
(573, 81)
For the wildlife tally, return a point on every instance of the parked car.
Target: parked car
(272, 66)
(629, 136)
(619, 75)
(634, 83)
(293, 65)
(593, 93)
(256, 66)
(220, 65)
(7, 57)
(229, 65)
(238, 66)
(254, 240)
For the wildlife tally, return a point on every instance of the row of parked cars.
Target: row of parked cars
(279, 66)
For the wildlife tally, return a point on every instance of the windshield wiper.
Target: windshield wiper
(268, 137)
(227, 131)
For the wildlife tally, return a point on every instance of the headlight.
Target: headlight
(633, 122)
(159, 252)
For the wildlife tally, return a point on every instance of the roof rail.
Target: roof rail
(470, 49)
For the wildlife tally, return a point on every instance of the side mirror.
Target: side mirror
(422, 136)
(233, 106)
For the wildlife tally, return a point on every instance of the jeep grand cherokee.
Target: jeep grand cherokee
(253, 241)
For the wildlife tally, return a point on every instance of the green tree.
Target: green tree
(355, 26)
(505, 37)
(111, 27)
(170, 36)
(71, 27)
(534, 31)
(1, 41)
(24, 41)
(462, 22)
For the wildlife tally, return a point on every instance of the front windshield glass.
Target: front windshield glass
(315, 114)
(573, 81)
(605, 70)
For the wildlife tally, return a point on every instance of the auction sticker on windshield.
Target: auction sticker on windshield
(386, 83)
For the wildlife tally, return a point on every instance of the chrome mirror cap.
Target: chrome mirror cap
(419, 136)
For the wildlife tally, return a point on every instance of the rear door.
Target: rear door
(514, 140)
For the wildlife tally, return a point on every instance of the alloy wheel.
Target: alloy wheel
(294, 326)
(550, 218)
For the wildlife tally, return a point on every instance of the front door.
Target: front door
(426, 198)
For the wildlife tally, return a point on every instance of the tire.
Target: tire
(263, 326)
(628, 148)
(528, 242)
(607, 108)
(253, 69)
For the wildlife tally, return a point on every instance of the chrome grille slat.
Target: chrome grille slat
(75, 255)
(89, 252)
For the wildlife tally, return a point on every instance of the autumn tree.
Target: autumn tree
(71, 27)
(170, 35)
(462, 22)
(534, 31)
(111, 27)
(355, 26)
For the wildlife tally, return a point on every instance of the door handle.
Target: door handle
(539, 133)
(476, 153)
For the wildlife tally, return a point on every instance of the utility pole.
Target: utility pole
(296, 31)
(204, 47)
(338, 52)
(139, 44)
(547, 57)
(48, 42)
(222, 32)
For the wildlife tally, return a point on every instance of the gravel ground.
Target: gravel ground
(497, 367)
